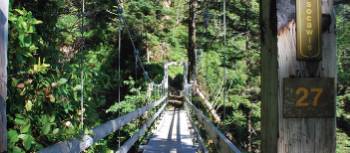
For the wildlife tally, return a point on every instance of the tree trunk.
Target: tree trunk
(279, 61)
(3, 74)
(209, 106)
(191, 53)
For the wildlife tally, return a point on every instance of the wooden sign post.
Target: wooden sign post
(298, 76)
(3, 73)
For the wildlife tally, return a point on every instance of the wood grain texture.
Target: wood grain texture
(293, 135)
(308, 103)
(3, 73)
(269, 75)
(302, 135)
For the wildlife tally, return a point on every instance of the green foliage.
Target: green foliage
(240, 59)
(343, 99)
(343, 43)
(131, 102)
(343, 142)
(175, 71)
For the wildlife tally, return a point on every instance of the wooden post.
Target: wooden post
(3, 73)
(281, 134)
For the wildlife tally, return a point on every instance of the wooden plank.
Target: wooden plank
(78, 145)
(223, 144)
(279, 61)
(131, 141)
(172, 134)
(4, 6)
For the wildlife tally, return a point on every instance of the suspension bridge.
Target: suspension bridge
(176, 132)
(292, 119)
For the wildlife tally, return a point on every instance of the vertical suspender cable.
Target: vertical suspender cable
(81, 65)
(225, 48)
(120, 78)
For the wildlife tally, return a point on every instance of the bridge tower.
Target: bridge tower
(298, 76)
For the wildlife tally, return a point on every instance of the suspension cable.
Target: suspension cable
(225, 48)
(81, 66)
(120, 78)
(138, 61)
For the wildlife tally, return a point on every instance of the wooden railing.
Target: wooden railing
(222, 143)
(77, 145)
(131, 141)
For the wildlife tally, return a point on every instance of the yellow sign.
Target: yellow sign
(308, 29)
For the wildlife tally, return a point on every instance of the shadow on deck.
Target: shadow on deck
(172, 135)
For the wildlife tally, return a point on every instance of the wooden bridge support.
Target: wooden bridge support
(4, 5)
(281, 134)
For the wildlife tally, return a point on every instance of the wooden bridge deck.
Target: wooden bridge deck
(172, 134)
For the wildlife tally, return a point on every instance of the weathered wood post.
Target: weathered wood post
(298, 76)
(3, 73)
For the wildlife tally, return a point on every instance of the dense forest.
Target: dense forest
(63, 54)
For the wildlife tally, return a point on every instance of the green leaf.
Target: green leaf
(62, 81)
(77, 88)
(17, 150)
(21, 39)
(27, 141)
(46, 129)
(20, 120)
(38, 22)
(25, 129)
(55, 131)
(21, 12)
(52, 119)
(52, 98)
(12, 136)
(29, 105)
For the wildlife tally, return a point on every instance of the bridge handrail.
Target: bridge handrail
(226, 146)
(77, 145)
(131, 141)
(196, 131)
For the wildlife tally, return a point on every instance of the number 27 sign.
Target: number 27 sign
(308, 97)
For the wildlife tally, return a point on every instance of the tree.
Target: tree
(192, 56)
